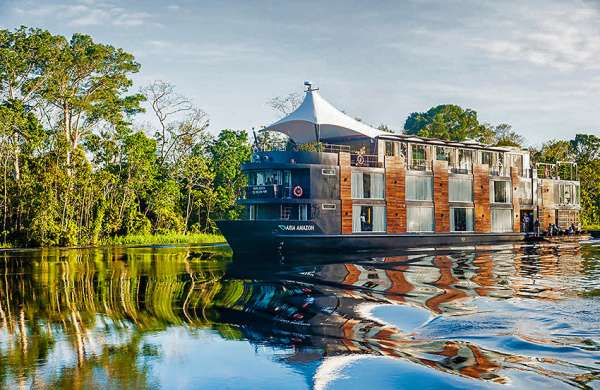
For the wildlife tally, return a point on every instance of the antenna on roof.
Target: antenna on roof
(309, 86)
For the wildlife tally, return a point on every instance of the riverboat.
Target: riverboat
(364, 189)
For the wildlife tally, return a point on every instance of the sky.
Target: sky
(532, 64)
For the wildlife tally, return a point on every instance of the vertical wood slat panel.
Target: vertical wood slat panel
(547, 211)
(481, 198)
(345, 192)
(395, 183)
(515, 180)
(440, 196)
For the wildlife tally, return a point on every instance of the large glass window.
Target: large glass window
(486, 158)
(419, 219)
(526, 192)
(368, 218)
(263, 211)
(500, 191)
(270, 176)
(367, 185)
(568, 193)
(502, 220)
(461, 219)
(389, 148)
(465, 159)
(419, 187)
(460, 189)
(418, 158)
(296, 212)
(442, 153)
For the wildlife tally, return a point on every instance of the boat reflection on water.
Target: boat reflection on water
(431, 309)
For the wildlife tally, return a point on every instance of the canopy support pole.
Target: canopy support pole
(318, 136)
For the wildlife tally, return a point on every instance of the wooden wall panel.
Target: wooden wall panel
(345, 192)
(547, 208)
(546, 216)
(395, 185)
(481, 198)
(440, 196)
(515, 180)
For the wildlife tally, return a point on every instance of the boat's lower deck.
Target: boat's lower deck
(304, 237)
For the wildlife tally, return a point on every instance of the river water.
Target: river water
(194, 317)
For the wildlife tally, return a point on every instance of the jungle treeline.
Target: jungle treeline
(76, 169)
(79, 166)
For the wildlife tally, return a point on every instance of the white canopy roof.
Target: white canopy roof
(301, 125)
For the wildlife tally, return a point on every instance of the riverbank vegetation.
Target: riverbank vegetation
(77, 168)
(166, 238)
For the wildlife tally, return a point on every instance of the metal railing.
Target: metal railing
(267, 191)
(333, 148)
(365, 160)
(562, 170)
(417, 164)
(461, 169)
(499, 170)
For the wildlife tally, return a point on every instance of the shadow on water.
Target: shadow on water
(104, 317)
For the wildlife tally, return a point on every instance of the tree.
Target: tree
(447, 121)
(384, 127)
(505, 136)
(87, 84)
(227, 153)
(285, 105)
(181, 124)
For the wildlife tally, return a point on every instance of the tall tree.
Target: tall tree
(446, 121)
(87, 85)
(285, 105)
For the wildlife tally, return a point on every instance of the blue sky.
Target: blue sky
(535, 65)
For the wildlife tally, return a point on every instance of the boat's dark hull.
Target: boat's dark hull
(304, 237)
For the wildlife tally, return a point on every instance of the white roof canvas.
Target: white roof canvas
(301, 125)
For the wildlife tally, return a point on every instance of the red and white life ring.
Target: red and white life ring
(298, 191)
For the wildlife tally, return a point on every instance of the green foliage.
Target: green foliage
(73, 172)
(585, 151)
(447, 121)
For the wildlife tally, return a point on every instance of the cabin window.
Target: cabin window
(418, 158)
(303, 212)
(460, 189)
(465, 160)
(368, 218)
(500, 191)
(516, 160)
(270, 177)
(299, 212)
(328, 172)
(442, 153)
(568, 193)
(265, 212)
(486, 158)
(419, 219)
(502, 220)
(419, 187)
(526, 192)
(389, 148)
(461, 219)
(367, 185)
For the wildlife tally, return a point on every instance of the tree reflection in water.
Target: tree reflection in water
(77, 318)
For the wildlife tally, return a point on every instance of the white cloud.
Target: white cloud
(86, 13)
(201, 52)
(565, 37)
